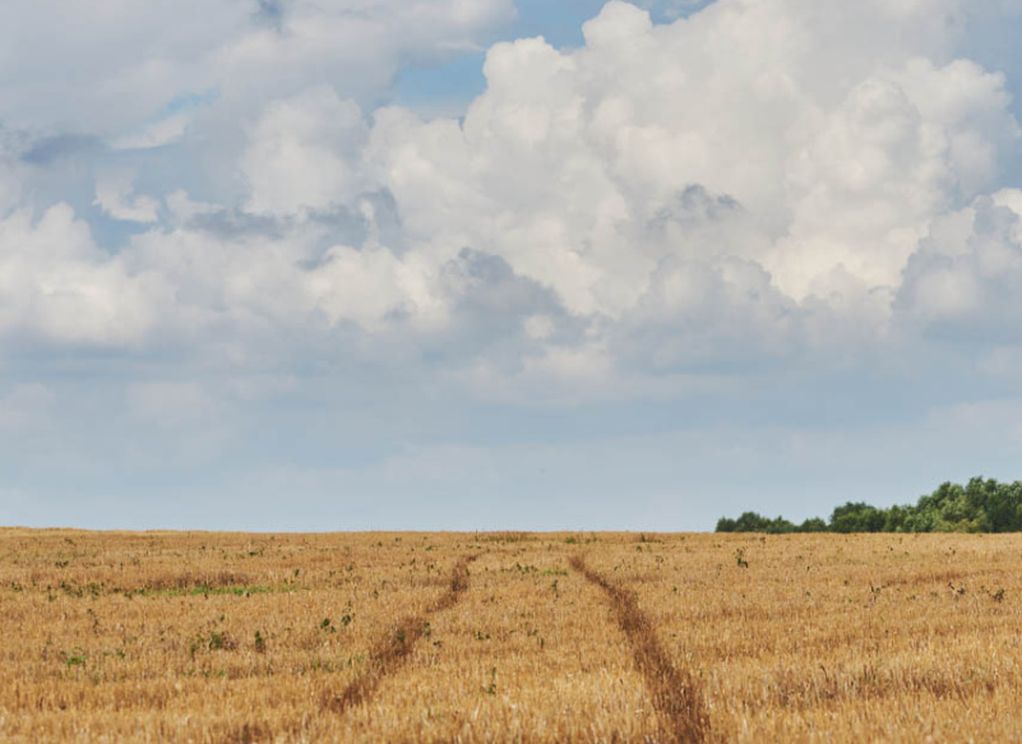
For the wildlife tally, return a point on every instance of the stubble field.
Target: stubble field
(211, 637)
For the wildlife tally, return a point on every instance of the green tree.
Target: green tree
(982, 505)
(857, 517)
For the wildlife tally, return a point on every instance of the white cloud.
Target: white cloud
(57, 285)
(112, 68)
(962, 283)
(164, 131)
(304, 154)
(652, 203)
(818, 158)
(369, 286)
(772, 245)
(115, 195)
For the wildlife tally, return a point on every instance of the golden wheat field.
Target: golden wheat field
(211, 637)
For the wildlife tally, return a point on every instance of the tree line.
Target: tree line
(982, 505)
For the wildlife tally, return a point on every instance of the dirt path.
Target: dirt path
(393, 650)
(676, 696)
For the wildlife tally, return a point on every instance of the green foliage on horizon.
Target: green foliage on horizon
(979, 506)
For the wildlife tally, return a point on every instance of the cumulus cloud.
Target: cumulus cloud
(115, 196)
(109, 69)
(58, 286)
(304, 154)
(962, 283)
(651, 203)
(708, 202)
(720, 252)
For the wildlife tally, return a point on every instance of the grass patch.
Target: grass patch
(244, 590)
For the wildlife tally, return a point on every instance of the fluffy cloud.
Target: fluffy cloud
(111, 68)
(766, 248)
(651, 203)
(115, 196)
(58, 286)
(710, 203)
(962, 283)
(304, 154)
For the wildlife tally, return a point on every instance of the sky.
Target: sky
(504, 264)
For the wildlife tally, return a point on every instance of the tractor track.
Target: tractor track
(676, 695)
(393, 650)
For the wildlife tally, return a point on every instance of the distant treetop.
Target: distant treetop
(982, 505)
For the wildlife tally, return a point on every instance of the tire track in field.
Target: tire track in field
(393, 650)
(676, 696)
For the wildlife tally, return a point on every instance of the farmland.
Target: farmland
(223, 637)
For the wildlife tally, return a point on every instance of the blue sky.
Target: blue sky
(496, 264)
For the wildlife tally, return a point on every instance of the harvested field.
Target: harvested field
(212, 637)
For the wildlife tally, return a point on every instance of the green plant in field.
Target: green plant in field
(491, 689)
(217, 640)
(75, 657)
